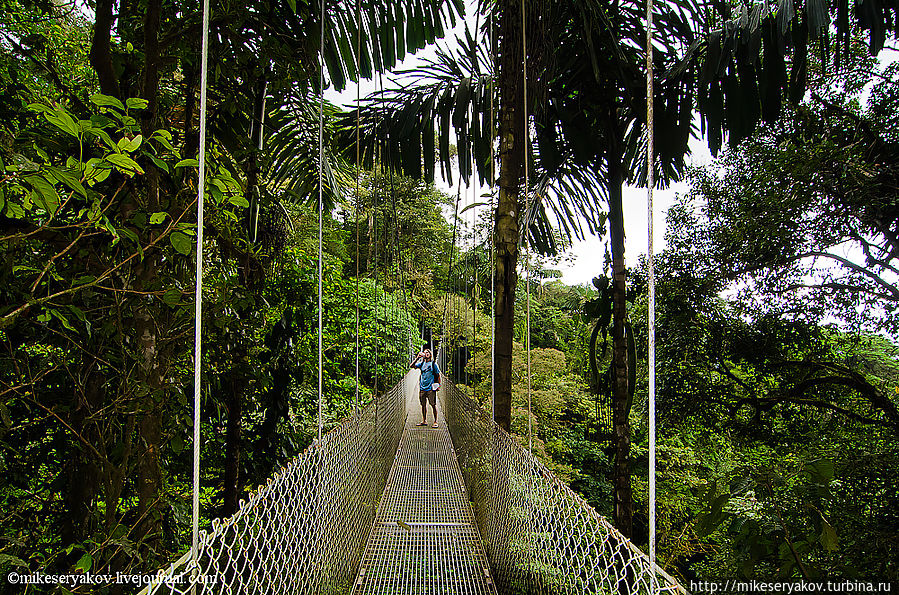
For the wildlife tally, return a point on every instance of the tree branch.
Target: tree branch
(838, 286)
(151, 63)
(100, 458)
(872, 136)
(733, 377)
(8, 319)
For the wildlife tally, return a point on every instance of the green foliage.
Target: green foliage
(799, 403)
(802, 213)
(45, 58)
(59, 191)
(401, 232)
(770, 417)
(748, 68)
(97, 240)
(778, 525)
(75, 248)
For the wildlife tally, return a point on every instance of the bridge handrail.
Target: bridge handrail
(540, 536)
(305, 529)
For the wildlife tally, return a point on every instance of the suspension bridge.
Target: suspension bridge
(381, 505)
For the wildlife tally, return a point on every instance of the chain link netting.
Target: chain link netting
(305, 530)
(540, 536)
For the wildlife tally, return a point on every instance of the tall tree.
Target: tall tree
(585, 95)
(805, 210)
(587, 113)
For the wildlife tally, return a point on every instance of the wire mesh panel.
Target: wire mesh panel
(305, 530)
(540, 536)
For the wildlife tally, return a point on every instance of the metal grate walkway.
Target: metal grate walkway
(424, 540)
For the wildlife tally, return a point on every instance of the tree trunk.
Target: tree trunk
(621, 430)
(508, 208)
(83, 472)
(152, 62)
(371, 242)
(232, 443)
(238, 375)
(149, 320)
(118, 476)
(149, 470)
(251, 219)
(101, 54)
(276, 408)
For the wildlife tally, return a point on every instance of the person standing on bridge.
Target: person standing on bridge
(428, 384)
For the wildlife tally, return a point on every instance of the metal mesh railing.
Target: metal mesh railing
(305, 530)
(540, 536)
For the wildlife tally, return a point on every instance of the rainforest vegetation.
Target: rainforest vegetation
(777, 295)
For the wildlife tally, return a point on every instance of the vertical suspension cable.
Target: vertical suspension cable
(321, 165)
(463, 287)
(390, 241)
(198, 298)
(492, 269)
(398, 253)
(650, 182)
(527, 217)
(474, 284)
(449, 308)
(259, 148)
(474, 291)
(524, 78)
(358, 174)
(374, 237)
(401, 267)
(321, 160)
(492, 227)
(474, 262)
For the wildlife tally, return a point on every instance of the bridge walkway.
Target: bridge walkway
(424, 539)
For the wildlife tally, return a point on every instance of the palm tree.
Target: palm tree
(587, 113)
(758, 54)
(585, 98)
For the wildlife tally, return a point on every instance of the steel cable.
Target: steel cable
(650, 182)
(358, 173)
(198, 321)
(527, 201)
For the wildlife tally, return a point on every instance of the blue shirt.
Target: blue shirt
(429, 371)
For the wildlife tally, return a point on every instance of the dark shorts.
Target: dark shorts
(428, 395)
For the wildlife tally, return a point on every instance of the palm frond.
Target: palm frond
(742, 61)
(386, 32)
(448, 99)
(410, 127)
(292, 170)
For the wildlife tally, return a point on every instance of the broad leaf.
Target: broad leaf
(181, 242)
